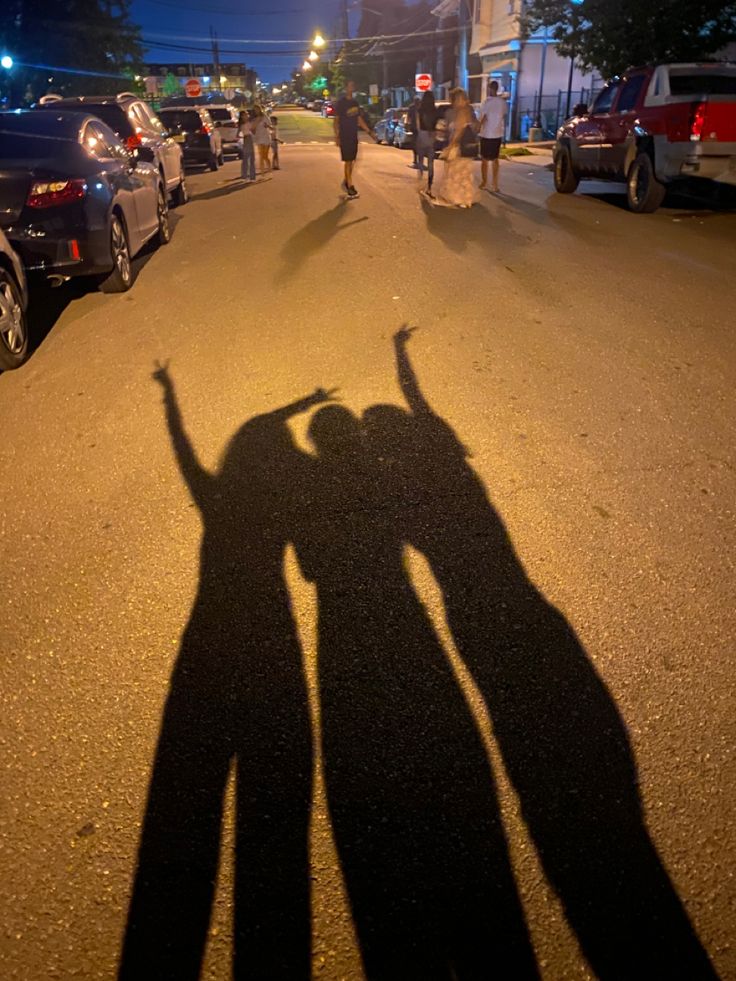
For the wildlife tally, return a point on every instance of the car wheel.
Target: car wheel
(181, 193)
(566, 180)
(121, 277)
(13, 324)
(644, 193)
(162, 213)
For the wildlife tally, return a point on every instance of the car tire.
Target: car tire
(181, 194)
(121, 278)
(644, 193)
(163, 235)
(565, 178)
(13, 324)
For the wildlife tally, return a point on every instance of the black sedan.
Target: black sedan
(73, 200)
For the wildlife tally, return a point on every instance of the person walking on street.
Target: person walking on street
(457, 189)
(492, 129)
(275, 143)
(412, 121)
(262, 138)
(348, 119)
(425, 138)
(247, 150)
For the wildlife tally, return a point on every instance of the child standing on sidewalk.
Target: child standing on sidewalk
(247, 150)
(275, 142)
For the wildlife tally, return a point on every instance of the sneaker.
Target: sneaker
(345, 187)
(352, 192)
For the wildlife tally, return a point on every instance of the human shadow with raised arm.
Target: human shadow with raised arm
(237, 699)
(563, 742)
(410, 790)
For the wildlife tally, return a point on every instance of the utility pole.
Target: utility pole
(215, 55)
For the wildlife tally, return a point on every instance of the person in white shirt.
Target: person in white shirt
(492, 129)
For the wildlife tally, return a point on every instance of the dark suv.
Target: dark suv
(195, 132)
(139, 128)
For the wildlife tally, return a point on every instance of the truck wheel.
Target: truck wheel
(644, 193)
(566, 180)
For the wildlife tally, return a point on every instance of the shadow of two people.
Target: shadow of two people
(411, 795)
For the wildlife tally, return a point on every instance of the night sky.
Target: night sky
(187, 23)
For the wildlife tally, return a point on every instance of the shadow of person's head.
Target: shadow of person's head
(335, 432)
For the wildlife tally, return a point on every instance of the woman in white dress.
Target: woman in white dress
(457, 188)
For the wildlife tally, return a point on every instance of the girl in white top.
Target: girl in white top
(262, 137)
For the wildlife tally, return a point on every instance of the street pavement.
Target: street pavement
(526, 583)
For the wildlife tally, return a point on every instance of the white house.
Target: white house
(536, 79)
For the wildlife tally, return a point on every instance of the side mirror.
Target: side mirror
(146, 154)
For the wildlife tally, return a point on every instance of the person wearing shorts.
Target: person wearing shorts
(492, 128)
(348, 120)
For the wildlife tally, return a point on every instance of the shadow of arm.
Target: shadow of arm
(407, 378)
(198, 480)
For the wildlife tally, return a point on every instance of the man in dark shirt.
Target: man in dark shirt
(348, 119)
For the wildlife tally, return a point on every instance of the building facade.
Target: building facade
(540, 85)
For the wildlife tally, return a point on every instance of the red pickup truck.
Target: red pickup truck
(653, 127)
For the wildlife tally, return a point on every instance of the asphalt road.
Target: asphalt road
(558, 511)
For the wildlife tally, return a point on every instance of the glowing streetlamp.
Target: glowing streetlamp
(319, 41)
(6, 62)
(307, 67)
(313, 56)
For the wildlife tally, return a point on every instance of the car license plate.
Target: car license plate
(178, 137)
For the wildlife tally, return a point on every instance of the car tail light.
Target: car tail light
(697, 121)
(133, 142)
(46, 194)
(205, 131)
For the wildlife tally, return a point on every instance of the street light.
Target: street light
(319, 41)
(6, 62)
(307, 66)
(313, 56)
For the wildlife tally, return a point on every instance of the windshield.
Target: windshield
(176, 119)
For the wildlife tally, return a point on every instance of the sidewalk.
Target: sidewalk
(539, 155)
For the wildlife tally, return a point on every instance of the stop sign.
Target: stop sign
(423, 82)
(193, 89)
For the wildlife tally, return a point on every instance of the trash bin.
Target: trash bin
(536, 134)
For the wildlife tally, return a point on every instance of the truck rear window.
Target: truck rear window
(179, 120)
(705, 83)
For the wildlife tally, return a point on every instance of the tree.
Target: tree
(52, 40)
(612, 36)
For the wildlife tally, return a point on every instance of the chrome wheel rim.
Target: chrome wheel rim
(163, 217)
(12, 326)
(120, 254)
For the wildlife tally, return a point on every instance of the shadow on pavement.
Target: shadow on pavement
(234, 185)
(410, 791)
(312, 237)
(459, 228)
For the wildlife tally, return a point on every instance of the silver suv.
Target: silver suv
(225, 118)
(138, 127)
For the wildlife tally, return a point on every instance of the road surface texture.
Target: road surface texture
(443, 658)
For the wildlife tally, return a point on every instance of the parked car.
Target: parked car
(195, 132)
(139, 128)
(328, 110)
(384, 128)
(13, 308)
(317, 105)
(403, 135)
(74, 201)
(225, 120)
(654, 127)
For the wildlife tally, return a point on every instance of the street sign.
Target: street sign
(193, 89)
(423, 82)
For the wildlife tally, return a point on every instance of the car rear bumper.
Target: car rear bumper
(709, 161)
(74, 252)
(197, 154)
